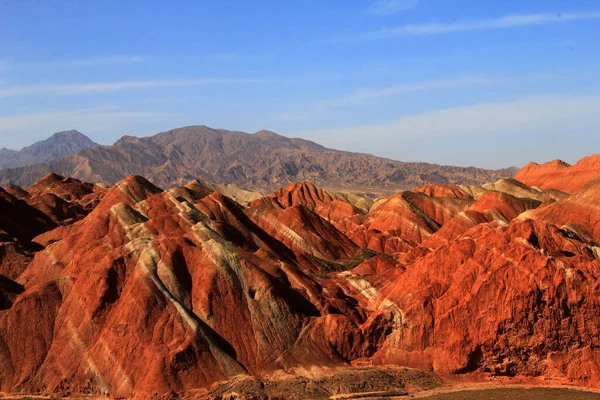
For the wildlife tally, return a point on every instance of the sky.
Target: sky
(489, 83)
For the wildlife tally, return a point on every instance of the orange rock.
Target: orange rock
(147, 293)
(405, 220)
(578, 215)
(559, 175)
(502, 300)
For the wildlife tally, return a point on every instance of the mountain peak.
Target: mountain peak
(557, 163)
(68, 134)
(265, 134)
(60, 144)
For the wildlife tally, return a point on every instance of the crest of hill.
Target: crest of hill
(560, 175)
(59, 145)
(262, 161)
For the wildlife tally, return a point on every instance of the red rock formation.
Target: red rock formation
(578, 215)
(302, 193)
(149, 293)
(308, 219)
(515, 300)
(559, 175)
(406, 219)
(344, 211)
(519, 189)
(19, 220)
(19, 224)
(302, 230)
(64, 200)
(493, 207)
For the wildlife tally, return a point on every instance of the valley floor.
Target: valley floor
(456, 392)
(507, 391)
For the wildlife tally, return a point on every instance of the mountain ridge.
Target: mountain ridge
(560, 175)
(261, 161)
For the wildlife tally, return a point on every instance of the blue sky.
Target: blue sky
(490, 83)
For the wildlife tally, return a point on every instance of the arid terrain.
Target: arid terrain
(263, 161)
(299, 200)
(135, 291)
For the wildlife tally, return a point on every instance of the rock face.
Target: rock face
(135, 291)
(261, 161)
(59, 145)
(559, 175)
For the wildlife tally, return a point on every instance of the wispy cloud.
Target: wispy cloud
(362, 97)
(12, 123)
(105, 87)
(505, 22)
(99, 61)
(532, 114)
(489, 134)
(389, 7)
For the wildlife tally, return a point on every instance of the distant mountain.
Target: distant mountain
(259, 161)
(59, 145)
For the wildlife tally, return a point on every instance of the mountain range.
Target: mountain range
(261, 161)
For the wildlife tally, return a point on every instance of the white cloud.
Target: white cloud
(95, 61)
(389, 7)
(367, 95)
(87, 88)
(509, 21)
(530, 115)
(76, 117)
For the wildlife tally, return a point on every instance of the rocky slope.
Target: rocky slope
(59, 145)
(559, 175)
(134, 291)
(260, 161)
